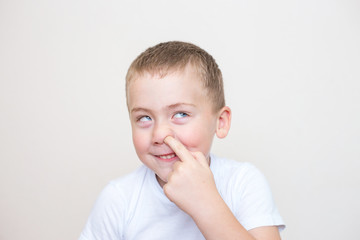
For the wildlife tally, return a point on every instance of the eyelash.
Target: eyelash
(184, 114)
(138, 119)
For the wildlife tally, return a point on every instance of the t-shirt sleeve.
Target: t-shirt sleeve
(256, 206)
(106, 219)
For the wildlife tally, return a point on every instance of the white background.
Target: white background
(291, 71)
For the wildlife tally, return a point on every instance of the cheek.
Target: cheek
(196, 140)
(139, 141)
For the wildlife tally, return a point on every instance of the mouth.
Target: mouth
(167, 157)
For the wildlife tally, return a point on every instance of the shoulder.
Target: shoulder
(232, 170)
(238, 178)
(247, 192)
(123, 191)
(128, 182)
(118, 192)
(112, 208)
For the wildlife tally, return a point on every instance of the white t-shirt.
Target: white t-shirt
(135, 206)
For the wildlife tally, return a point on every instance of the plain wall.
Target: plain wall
(292, 79)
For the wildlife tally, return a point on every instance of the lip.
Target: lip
(169, 157)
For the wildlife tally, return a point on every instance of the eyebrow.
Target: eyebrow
(172, 106)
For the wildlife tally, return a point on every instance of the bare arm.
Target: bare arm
(192, 188)
(216, 221)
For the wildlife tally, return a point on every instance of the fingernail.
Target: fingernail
(165, 139)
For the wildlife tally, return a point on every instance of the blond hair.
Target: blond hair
(173, 56)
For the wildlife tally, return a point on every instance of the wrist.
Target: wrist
(210, 207)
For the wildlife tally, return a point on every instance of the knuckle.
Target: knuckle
(199, 154)
(169, 177)
(167, 189)
(179, 166)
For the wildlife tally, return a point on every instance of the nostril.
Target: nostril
(160, 133)
(158, 142)
(159, 136)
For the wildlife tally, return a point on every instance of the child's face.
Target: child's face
(175, 105)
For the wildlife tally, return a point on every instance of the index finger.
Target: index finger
(179, 149)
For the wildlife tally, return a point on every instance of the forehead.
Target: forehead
(161, 71)
(176, 86)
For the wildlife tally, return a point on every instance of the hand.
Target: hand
(192, 188)
(191, 184)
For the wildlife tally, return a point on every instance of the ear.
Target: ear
(223, 122)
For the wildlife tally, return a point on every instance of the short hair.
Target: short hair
(175, 55)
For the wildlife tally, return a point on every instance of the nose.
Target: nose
(160, 132)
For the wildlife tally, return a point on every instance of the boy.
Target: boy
(176, 105)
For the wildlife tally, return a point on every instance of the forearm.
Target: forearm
(191, 186)
(216, 221)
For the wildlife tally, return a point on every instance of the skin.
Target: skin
(173, 126)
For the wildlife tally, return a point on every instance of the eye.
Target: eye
(144, 119)
(181, 115)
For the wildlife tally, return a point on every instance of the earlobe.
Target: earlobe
(223, 122)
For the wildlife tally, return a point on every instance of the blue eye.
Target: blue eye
(181, 115)
(144, 119)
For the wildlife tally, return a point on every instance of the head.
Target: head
(169, 57)
(176, 89)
